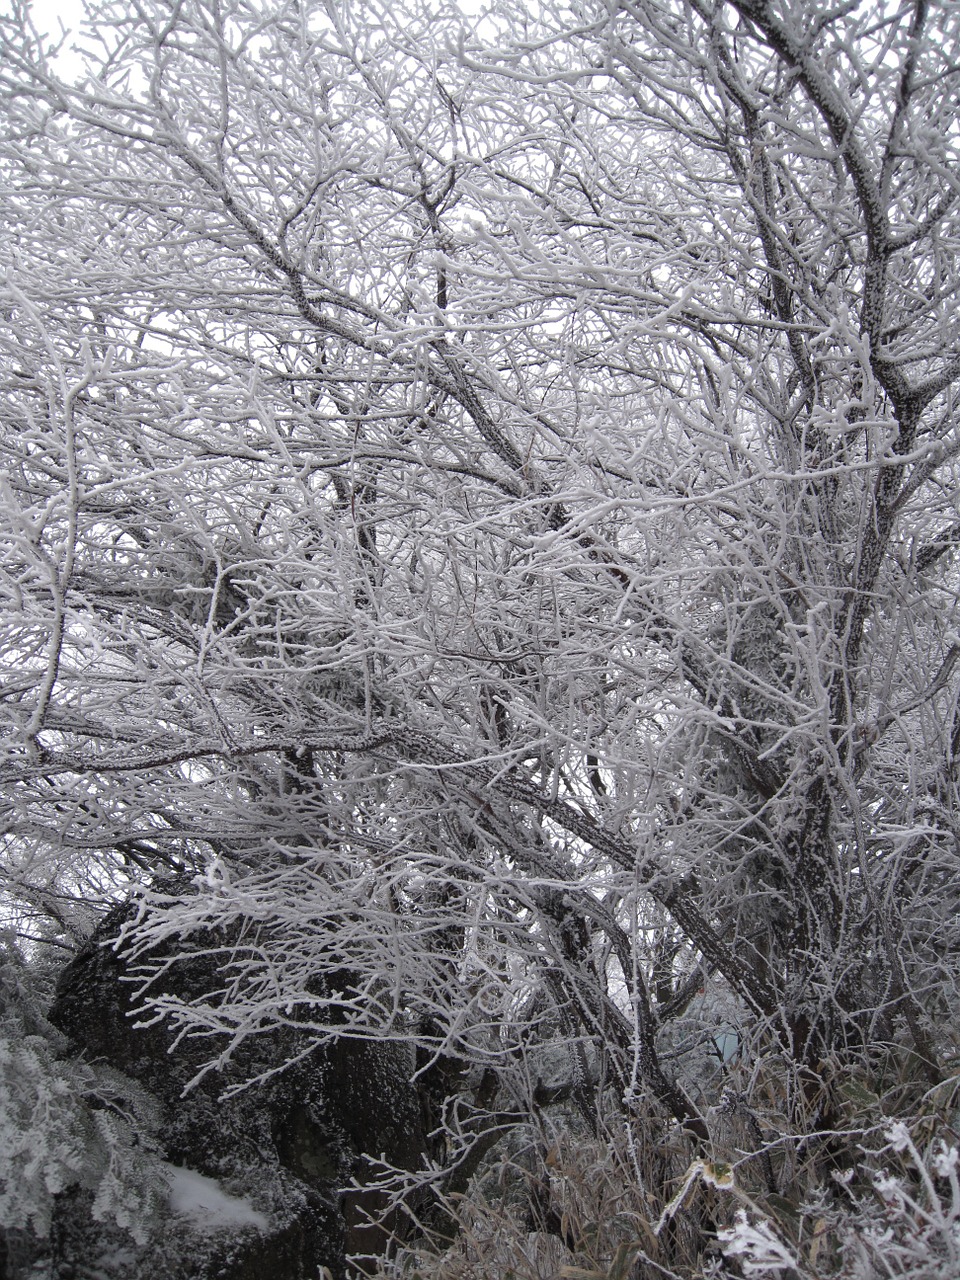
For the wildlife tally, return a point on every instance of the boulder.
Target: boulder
(285, 1147)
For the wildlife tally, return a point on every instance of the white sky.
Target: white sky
(49, 14)
(47, 17)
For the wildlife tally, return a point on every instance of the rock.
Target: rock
(286, 1146)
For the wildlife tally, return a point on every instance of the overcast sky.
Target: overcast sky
(48, 15)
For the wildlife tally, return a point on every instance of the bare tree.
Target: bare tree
(481, 496)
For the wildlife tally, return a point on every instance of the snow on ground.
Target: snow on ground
(207, 1205)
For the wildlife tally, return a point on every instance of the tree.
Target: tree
(481, 502)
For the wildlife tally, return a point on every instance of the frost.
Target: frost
(944, 1160)
(759, 1250)
(898, 1135)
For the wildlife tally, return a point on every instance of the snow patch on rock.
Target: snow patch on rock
(207, 1205)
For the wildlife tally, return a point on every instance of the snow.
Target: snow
(207, 1205)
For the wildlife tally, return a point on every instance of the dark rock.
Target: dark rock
(288, 1144)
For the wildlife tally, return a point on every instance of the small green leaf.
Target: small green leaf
(717, 1174)
(622, 1262)
(856, 1092)
(784, 1208)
